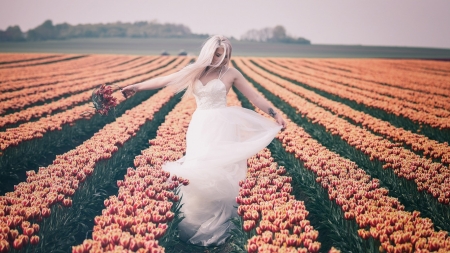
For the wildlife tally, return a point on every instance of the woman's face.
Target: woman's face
(218, 56)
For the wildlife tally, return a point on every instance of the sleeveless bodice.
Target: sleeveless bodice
(210, 96)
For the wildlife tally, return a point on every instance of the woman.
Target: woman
(219, 140)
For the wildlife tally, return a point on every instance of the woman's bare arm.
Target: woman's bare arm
(242, 85)
(151, 84)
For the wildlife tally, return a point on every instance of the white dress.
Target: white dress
(219, 140)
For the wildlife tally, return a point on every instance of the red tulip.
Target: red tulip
(248, 225)
(252, 248)
(28, 231)
(13, 234)
(170, 216)
(18, 244)
(4, 246)
(314, 247)
(78, 249)
(115, 238)
(87, 245)
(67, 202)
(45, 212)
(125, 241)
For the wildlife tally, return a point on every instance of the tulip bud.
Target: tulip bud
(28, 231)
(170, 216)
(4, 230)
(176, 198)
(45, 212)
(252, 248)
(87, 245)
(115, 238)
(78, 249)
(13, 234)
(67, 202)
(125, 241)
(18, 244)
(314, 247)
(248, 225)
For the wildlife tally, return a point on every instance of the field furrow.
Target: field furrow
(363, 165)
(64, 131)
(419, 114)
(378, 216)
(354, 80)
(406, 79)
(416, 142)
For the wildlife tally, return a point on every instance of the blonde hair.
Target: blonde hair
(186, 77)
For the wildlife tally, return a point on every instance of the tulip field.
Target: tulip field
(362, 166)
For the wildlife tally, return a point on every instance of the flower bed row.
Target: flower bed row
(59, 82)
(79, 86)
(272, 217)
(379, 216)
(56, 58)
(41, 75)
(140, 184)
(270, 212)
(64, 103)
(417, 142)
(148, 187)
(31, 200)
(435, 68)
(431, 177)
(369, 99)
(409, 78)
(141, 212)
(31, 130)
(33, 72)
(9, 58)
(354, 80)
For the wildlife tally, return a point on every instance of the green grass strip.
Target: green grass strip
(398, 121)
(401, 188)
(41, 152)
(325, 216)
(70, 226)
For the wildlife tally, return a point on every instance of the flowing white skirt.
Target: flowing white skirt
(218, 144)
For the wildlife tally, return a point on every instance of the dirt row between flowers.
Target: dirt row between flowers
(64, 131)
(10, 58)
(102, 67)
(401, 73)
(418, 113)
(416, 142)
(17, 76)
(354, 80)
(43, 75)
(372, 153)
(34, 111)
(144, 215)
(78, 178)
(69, 88)
(441, 135)
(378, 216)
(56, 59)
(421, 174)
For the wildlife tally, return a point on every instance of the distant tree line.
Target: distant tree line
(12, 33)
(272, 34)
(142, 29)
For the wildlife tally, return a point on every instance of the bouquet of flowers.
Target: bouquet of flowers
(103, 100)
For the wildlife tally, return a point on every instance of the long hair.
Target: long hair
(186, 77)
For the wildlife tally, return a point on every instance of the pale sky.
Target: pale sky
(413, 23)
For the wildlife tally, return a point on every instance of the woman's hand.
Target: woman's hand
(129, 91)
(280, 121)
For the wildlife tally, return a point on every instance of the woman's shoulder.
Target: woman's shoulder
(233, 71)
